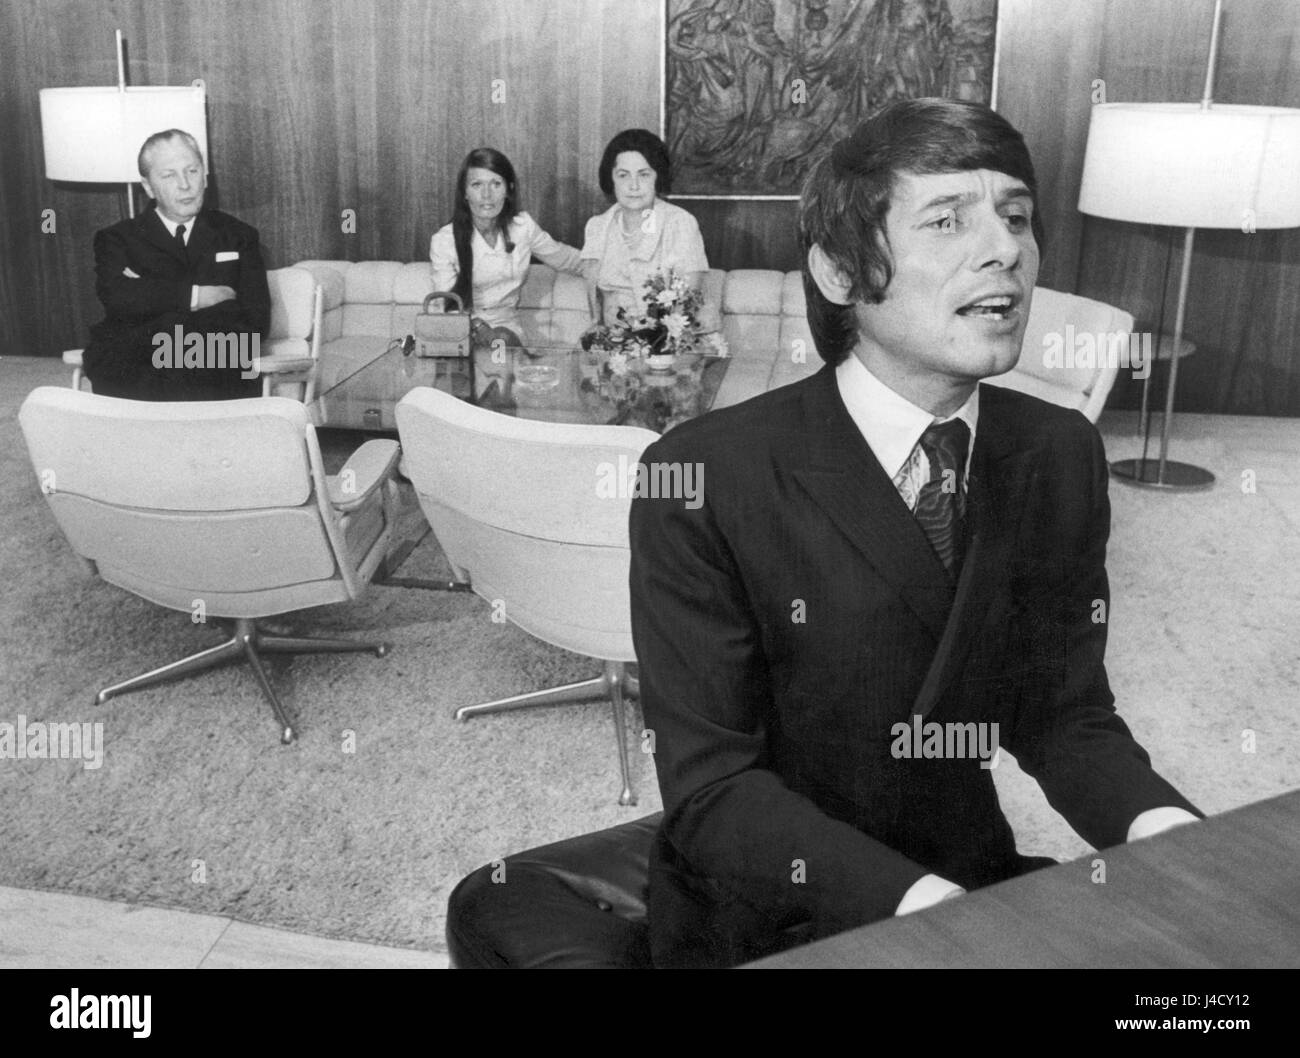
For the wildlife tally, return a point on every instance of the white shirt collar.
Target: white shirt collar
(172, 225)
(891, 424)
(481, 245)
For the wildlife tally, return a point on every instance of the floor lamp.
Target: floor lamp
(93, 135)
(1190, 166)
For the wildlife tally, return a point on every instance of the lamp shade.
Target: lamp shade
(94, 134)
(1192, 167)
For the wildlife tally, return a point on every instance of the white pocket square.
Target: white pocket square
(227, 255)
(129, 274)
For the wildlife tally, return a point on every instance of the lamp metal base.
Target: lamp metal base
(1178, 477)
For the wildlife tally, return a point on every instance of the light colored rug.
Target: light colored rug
(367, 845)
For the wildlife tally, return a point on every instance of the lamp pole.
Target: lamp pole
(121, 87)
(1177, 475)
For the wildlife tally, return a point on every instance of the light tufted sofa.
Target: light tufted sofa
(760, 312)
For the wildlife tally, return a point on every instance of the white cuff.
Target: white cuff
(926, 892)
(1154, 820)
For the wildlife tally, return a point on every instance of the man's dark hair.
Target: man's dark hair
(462, 220)
(847, 195)
(646, 144)
(158, 138)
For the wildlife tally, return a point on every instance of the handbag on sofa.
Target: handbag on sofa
(445, 338)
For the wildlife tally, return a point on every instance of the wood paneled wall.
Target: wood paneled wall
(316, 107)
(1244, 300)
(321, 106)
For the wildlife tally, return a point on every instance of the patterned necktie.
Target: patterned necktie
(941, 503)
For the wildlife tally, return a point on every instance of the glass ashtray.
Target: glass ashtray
(536, 378)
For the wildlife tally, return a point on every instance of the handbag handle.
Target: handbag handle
(460, 305)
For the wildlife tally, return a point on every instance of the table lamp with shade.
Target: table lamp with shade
(1190, 165)
(93, 135)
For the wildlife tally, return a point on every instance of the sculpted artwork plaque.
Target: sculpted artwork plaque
(756, 89)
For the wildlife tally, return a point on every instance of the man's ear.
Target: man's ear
(147, 189)
(830, 280)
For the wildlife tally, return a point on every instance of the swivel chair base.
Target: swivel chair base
(246, 641)
(613, 683)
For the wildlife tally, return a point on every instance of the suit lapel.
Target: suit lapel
(843, 477)
(202, 242)
(998, 473)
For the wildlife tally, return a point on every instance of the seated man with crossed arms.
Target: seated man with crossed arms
(183, 288)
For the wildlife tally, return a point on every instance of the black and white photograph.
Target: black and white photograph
(651, 484)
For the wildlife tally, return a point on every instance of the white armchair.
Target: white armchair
(518, 509)
(218, 508)
(291, 348)
(291, 352)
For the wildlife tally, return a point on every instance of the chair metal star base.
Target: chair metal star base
(248, 642)
(613, 683)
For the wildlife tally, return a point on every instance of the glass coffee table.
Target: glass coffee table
(550, 382)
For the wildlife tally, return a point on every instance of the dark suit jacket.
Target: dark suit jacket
(119, 356)
(787, 624)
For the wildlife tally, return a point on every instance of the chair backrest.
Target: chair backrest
(294, 294)
(1071, 351)
(297, 307)
(533, 513)
(224, 502)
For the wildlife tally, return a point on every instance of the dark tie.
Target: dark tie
(180, 239)
(941, 502)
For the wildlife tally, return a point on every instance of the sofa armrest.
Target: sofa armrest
(365, 471)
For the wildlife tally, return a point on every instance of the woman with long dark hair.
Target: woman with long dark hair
(483, 254)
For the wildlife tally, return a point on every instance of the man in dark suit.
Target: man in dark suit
(184, 290)
(887, 555)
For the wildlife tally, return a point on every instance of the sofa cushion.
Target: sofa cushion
(362, 318)
(744, 379)
(372, 282)
(752, 292)
(536, 293)
(329, 275)
(412, 283)
(793, 302)
(751, 337)
(570, 292)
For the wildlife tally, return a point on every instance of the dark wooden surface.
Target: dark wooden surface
(1220, 893)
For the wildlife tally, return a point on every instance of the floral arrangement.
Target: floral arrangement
(668, 327)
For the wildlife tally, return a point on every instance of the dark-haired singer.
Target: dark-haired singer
(177, 269)
(884, 548)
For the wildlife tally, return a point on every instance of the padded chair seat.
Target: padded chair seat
(577, 903)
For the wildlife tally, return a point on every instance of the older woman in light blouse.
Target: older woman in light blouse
(484, 253)
(640, 234)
